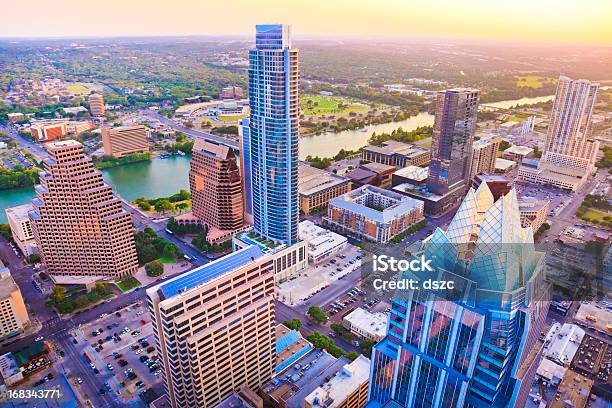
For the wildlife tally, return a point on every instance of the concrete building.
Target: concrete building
(347, 389)
(216, 186)
(533, 212)
(10, 371)
(411, 174)
(504, 166)
(231, 92)
(318, 186)
(374, 174)
(96, 105)
(76, 128)
(569, 153)
(13, 314)
(366, 325)
(123, 140)
(48, 130)
(517, 153)
(15, 117)
(373, 213)
(215, 329)
(322, 243)
(79, 224)
(484, 153)
(499, 185)
(562, 342)
(21, 228)
(396, 154)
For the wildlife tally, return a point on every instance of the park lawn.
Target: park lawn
(594, 214)
(167, 260)
(532, 81)
(231, 118)
(78, 88)
(329, 105)
(128, 283)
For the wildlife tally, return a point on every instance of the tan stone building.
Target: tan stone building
(48, 130)
(484, 154)
(214, 328)
(123, 140)
(317, 187)
(21, 228)
(13, 314)
(96, 105)
(79, 224)
(533, 212)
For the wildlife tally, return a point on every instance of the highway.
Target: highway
(36, 150)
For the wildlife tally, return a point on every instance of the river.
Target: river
(164, 177)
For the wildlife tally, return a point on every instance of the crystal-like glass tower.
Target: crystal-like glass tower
(273, 133)
(475, 346)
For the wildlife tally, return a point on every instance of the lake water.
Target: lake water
(164, 177)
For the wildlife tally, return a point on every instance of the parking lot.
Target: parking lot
(120, 346)
(316, 278)
(558, 198)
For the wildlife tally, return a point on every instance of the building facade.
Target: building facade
(215, 329)
(231, 92)
(13, 314)
(273, 133)
(484, 153)
(396, 154)
(318, 186)
(123, 140)
(46, 131)
(474, 348)
(96, 105)
(79, 224)
(216, 186)
(244, 141)
(21, 228)
(453, 135)
(533, 212)
(373, 213)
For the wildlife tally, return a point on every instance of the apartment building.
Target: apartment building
(96, 105)
(215, 329)
(318, 186)
(123, 140)
(533, 212)
(231, 92)
(484, 153)
(79, 224)
(396, 154)
(13, 314)
(21, 228)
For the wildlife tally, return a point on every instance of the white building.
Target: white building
(366, 325)
(21, 228)
(562, 343)
(9, 370)
(321, 242)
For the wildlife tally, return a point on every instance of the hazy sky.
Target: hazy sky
(549, 20)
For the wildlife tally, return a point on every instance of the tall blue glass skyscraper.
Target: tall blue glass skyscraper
(474, 347)
(273, 133)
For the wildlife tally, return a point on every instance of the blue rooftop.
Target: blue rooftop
(210, 271)
(287, 340)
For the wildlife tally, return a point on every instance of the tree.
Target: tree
(154, 268)
(293, 324)
(317, 314)
(170, 250)
(504, 145)
(81, 301)
(163, 205)
(58, 293)
(353, 355)
(33, 258)
(366, 346)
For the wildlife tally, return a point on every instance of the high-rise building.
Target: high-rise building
(273, 133)
(215, 328)
(216, 187)
(21, 228)
(123, 140)
(453, 135)
(484, 153)
(245, 169)
(80, 226)
(569, 154)
(231, 92)
(96, 105)
(475, 346)
(13, 314)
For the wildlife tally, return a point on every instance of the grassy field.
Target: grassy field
(231, 118)
(316, 105)
(81, 89)
(128, 283)
(167, 260)
(532, 81)
(594, 214)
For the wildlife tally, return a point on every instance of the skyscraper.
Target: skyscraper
(79, 225)
(245, 169)
(216, 189)
(273, 133)
(453, 135)
(215, 329)
(475, 346)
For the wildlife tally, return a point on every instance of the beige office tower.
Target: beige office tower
(484, 153)
(13, 314)
(79, 225)
(123, 140)
(216, 186)
(215, 329)
(96, 105)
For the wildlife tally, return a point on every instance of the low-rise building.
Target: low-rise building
(411, 174)
(562, 343)
(9, 370)
(517, 153)
(533, 212)
(231, 92)
(375, 174)
(373, 213)
(565, 178)
(366, 325)
(15, 117)
(123, 140)
(503, 166)
(317, 187)
(13, 314)
(396, 154)
(48, 130)
(347, 389)
(75, 128)
(21, 228)
(321, 242)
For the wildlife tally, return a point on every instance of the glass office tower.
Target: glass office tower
(475, 346)
(273, 133)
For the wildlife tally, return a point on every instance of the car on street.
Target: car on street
(40, 338)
